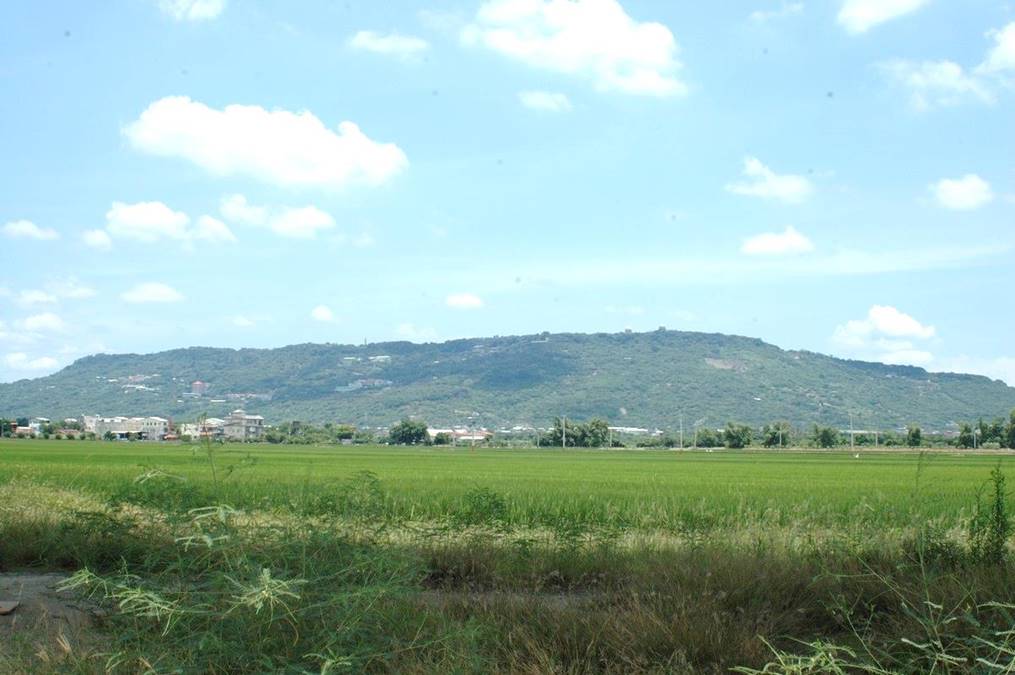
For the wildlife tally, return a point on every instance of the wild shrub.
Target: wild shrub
(990, 525)
(482, 507)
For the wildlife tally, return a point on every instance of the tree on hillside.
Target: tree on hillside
(737, 435)
(408, 432)
(778, 434)
(826, 437)
(914, 437)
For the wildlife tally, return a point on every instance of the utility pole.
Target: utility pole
(563, 433)
(681, 431)
(852, 435)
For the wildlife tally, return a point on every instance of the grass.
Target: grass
(269, 559)
(635, 489)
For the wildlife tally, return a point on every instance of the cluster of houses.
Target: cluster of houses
(237, 426)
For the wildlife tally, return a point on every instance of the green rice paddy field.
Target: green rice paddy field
(260, 558)
(637, 489)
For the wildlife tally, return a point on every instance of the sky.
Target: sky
(834, 176)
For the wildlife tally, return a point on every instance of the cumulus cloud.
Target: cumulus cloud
(192, 10)
(241, 321)
(151, 292)
(26, 229)
(1001, 57)
(464, 301)
(236, 209)
(21, 361)
(887, 335)
(937, 83)
(548, 101)
(146, 221)
(962, 194)
(275, 146)
(595, 40)
(293, 222)
(777, 243)
(97, 239)
(765, 183)
(212, 230)
(301, 223)
(887, 320)
(859, 16)
(322, 313)
(153, 221)
(45, 322)
(405, 47)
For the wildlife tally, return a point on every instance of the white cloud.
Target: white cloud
(293, 222)
(322, 313)
(464, 301)
(98, 239)
(236, 209)
(241, 321)
(882, 320)
(405, 47)
(784, 10)
(192, 10)
(885, 335)
(21, 361)
(859, 16)
(301, 223)
(152, 221)
(766, 184)
(962, 194)
(548, 101)
(592, 39)
(47, 321)
(35, 297)
(937, 83)
(151, 292)
(1002, 55)
(146, 221)
(213, 230)
(26, 229)
(777, 243)
(276, 146)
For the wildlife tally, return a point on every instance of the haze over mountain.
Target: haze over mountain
(632, 379)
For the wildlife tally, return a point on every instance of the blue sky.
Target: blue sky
(833, 176)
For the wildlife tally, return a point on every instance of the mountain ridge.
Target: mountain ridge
(649, 379)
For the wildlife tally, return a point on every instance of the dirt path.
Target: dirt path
(43, 613)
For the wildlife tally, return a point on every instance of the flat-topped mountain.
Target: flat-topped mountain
(631, 379)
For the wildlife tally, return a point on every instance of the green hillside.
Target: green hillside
(631, 379)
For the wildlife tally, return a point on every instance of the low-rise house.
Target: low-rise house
(147, 428)
(212, 428)
(240, 426)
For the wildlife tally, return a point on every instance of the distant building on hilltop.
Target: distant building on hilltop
(198, 388)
